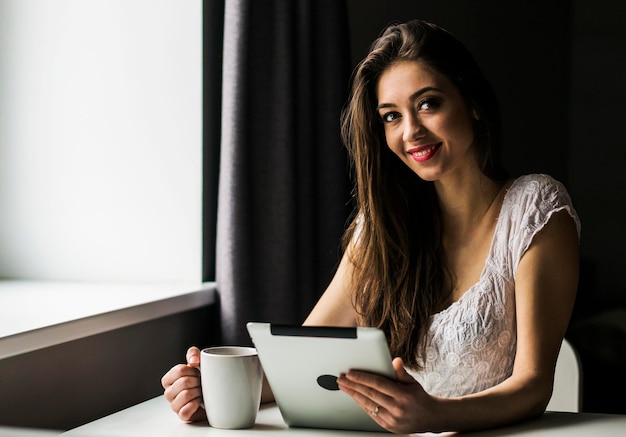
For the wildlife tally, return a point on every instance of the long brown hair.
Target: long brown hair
(400, 276)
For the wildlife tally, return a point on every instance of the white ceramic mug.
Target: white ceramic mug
(232, 379)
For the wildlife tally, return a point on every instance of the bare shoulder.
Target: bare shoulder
(558, 238)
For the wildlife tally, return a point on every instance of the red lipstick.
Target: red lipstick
(424, 153)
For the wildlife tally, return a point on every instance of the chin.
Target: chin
(428, 176)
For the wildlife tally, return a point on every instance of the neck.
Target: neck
(467, 201)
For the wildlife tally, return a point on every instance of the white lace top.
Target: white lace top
(471, 344)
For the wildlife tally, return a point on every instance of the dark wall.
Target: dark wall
(64, 386)
(558, 69)
(597, 153)
(596, 162)
(523, 52)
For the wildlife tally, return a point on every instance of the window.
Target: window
(101, 140)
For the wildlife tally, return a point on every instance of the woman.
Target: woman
(471, 275)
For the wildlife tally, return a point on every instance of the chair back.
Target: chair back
(566, 394)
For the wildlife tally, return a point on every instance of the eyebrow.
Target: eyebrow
(413, 96)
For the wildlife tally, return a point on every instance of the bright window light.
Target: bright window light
(101, 140)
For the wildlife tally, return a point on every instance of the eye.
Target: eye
(390, 116)
(429, 104)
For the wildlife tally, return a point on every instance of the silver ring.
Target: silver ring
(375, 411)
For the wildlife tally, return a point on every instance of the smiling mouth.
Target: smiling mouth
(421, 154)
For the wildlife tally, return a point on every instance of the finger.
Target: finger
(381, 416)
(373, 385)
(187, 386)
(377, 411)
(378, 405)
(193, 356)
(192, 412)
(363, 391)
(188, 411)
(177, 372)
(179, 398)
(184, 391)
(401, 374)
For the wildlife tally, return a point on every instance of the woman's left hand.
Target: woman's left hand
(400, 406)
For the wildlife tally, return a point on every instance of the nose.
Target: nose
(413, 129)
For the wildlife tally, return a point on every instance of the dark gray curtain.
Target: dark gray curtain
(284, 194)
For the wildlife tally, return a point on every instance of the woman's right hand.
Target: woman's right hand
(183, 389)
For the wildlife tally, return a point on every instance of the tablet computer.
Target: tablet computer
(302, 364)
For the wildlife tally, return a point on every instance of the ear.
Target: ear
(475, 114)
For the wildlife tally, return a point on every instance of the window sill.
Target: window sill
(39, 314)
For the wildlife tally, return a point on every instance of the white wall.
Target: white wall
(101, 139)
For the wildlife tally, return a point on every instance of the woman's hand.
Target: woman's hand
(400, 406)
(183, 389)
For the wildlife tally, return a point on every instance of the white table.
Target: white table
(154, 418)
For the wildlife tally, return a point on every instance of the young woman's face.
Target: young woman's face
(427, 122)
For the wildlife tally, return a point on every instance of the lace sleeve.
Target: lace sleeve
(534, 200)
